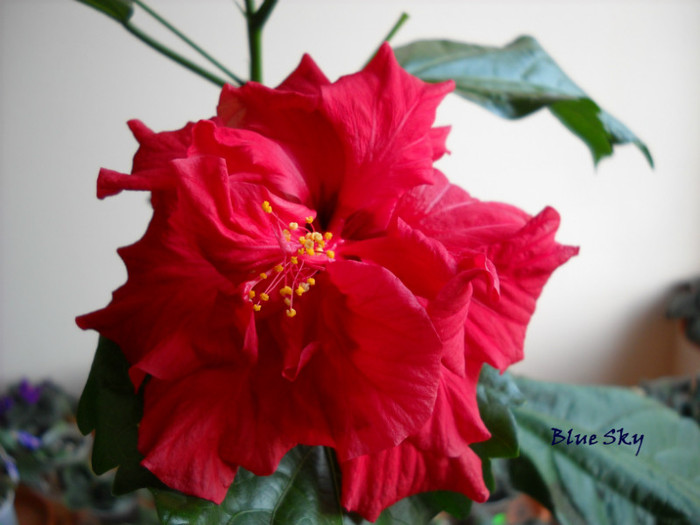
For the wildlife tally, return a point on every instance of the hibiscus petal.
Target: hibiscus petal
(521, 249)
(306, 78)
(293, 121)
(462, 223)
(455, 422)
(373, 482)
(421, 263)
(156, 149)
(251, 157)
(495, 331)
(385, 116)
(167, 307)
(196, 431)
(110, 182)
(374, 380)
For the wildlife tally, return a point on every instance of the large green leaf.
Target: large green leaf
(304, 489)
(656, 480)
(110, 406)
(515, 80)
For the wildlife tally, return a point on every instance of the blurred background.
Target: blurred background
(70, 78)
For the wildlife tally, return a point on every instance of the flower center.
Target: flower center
(305, 252)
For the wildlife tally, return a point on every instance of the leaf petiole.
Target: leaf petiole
(189, 42)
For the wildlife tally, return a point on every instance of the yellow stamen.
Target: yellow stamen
(300, 290)
(293, 226)
(251, 294)
(294, 260)
(291, 312)
(257, 307)
(287, 301)
(328, 236)
(309, 219)
(317, 237)
(264, 296)
(330, 254)
(279, 268)
(311, 281)
(286, 290)
(263, 275)
(266, 207)
(310, 251)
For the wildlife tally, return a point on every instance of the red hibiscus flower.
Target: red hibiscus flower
(309, 278)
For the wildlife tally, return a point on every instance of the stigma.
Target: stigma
(303, 253)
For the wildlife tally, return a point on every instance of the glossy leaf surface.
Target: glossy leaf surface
(514, 81)
(656, 480)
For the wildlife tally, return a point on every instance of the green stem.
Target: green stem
(256, 21)
(173, 55)
(394, 29)
(189, 42)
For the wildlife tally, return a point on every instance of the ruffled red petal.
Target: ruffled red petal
(197, 430)
(372, 483)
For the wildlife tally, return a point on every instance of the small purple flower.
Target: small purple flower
(28, 440)
(29, 393)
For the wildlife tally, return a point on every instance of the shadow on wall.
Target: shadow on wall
(654, 347)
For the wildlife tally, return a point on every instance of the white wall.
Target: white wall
(70, 78)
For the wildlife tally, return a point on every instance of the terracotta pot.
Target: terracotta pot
(34, 509)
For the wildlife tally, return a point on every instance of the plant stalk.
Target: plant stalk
(173, 55)
(256, 21)
(189, 42)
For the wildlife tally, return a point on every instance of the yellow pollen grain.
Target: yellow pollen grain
(264, 296)
(257, 307)
(311, 281)
(309, 219)
(287, 301)
(310, 251)
(291, 312)
(286, 290)
(263, 275)
(266, 207)
(279, 268)
(294, 259)
(309, 244)
(300, 251)
(328, 236)
(251, 294)
(317, 237)
(330, 254)
(300, 290)
(293, 226)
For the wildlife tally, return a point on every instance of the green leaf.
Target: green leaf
(654, 481)
(496, 394)
(120, 10)
(514, 81)
(110, 407)
(304, 489)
